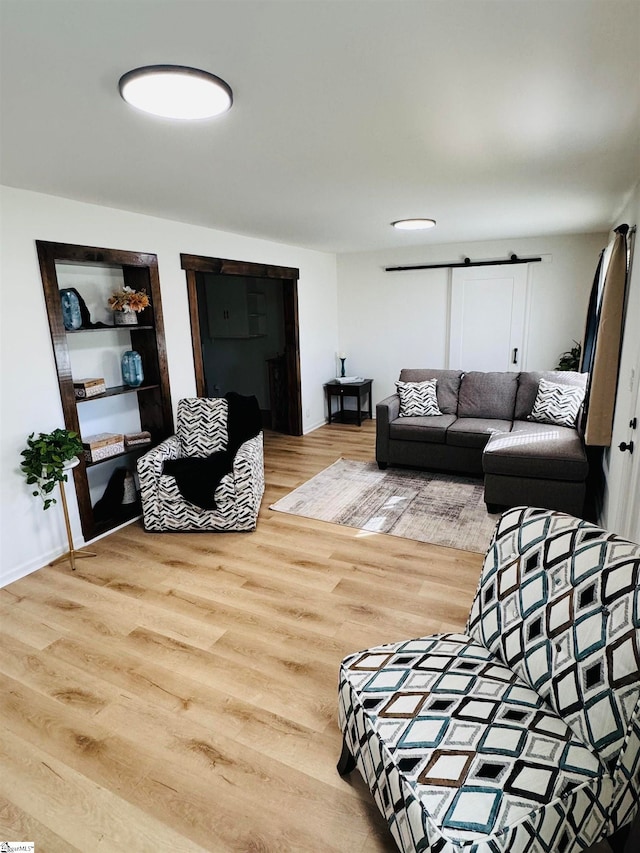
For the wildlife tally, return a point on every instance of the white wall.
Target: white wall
(621, 504)
(391, 320)
(30, 398)
(383, 321)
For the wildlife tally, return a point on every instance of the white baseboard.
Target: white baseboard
(113, 530)
(45, 559)
(313, 427)
(31, 566)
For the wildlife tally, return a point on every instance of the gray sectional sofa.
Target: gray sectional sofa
(484, 430)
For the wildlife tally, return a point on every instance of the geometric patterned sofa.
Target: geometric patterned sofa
(202, 430)
(523, 733)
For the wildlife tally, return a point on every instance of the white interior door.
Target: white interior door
(487, 320)
(628, 522)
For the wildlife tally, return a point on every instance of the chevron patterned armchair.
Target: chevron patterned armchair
(201, 431)
(521, 735)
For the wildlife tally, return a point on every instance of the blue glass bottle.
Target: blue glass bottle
(71, 315)
(132, 372)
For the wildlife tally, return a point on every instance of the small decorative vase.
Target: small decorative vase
(342, 361)
(132, 372)
(125, 318)
(71, 315)
(130, 494)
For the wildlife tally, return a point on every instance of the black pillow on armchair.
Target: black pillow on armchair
(197, 478)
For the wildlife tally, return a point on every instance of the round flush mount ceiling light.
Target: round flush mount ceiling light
(176, 91)
(413, 224)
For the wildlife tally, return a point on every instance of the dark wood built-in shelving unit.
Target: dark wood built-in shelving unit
(138, 327)
(139, 271)
(116, 390)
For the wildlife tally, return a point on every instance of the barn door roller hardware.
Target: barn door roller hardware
(512, 259)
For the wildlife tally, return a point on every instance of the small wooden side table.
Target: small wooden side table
(360, 389)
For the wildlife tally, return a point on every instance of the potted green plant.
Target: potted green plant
(570, 360)
(46, 460)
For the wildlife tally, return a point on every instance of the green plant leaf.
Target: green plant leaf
(44, 458)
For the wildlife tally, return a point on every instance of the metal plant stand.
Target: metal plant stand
(72, 553)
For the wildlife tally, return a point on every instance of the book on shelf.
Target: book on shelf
(344, 380)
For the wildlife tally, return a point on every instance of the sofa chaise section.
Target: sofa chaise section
(538, 465)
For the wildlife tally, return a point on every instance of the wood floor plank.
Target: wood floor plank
(63, 682)
(18, 825)
(140, 613)
(64, 733)
(87, 816)
(179, 691)
(267, 784)
(39, 633)
(267, 688)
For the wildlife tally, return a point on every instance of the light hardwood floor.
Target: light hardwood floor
(178, 691)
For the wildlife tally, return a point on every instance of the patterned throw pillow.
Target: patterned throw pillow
(418, 399)
(557, 404)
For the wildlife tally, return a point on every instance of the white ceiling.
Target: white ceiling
(505, 118)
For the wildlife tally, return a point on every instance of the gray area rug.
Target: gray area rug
(442, 509)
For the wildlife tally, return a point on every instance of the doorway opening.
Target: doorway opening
(244, 329)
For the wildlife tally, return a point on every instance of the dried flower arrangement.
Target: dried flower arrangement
(127, 299)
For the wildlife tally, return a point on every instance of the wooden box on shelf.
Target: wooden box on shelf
(102, 446)
(137, 439)
(85, 388)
